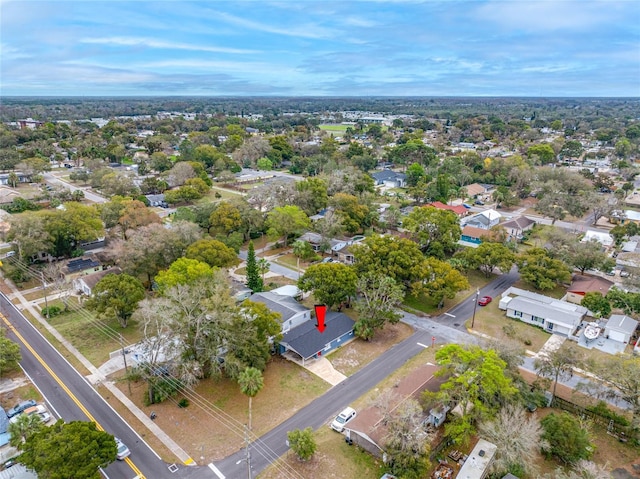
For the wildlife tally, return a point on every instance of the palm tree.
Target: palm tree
(263, 267)
(25, 426)
(251, 382)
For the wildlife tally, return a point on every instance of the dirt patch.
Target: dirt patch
(352, 357)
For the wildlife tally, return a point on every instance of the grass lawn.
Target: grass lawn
(427, 305)
(335, 128)
(493, 322)
(290, 260)
(203, 429)
(88, 337)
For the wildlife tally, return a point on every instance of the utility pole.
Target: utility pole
(44, 290)
(124, 357)
(246, 441)
(475, 306)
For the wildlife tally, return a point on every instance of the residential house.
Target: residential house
(605, 239)
(620, 328)
(240, 291)
(479, 191)
(81, 266)
(304, 341)
(479, 461)
(516, 227)
(318, 243)
(292, 313)
(553, 315)
(85, 284)
(459, 210)
(368, 430)
(157, 200)
(22, 178)
(583, 284)
(624, 217)
(485, 220)
(472, 236)
(390, 179)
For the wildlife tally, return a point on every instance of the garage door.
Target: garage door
(617, 336)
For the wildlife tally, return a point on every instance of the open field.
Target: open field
(334, 128)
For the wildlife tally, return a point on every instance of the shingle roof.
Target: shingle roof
(520, 222)
(473, 232)
(285, 305)
(388, 175)
(92, 279)
(306, 340)
(459, 210)
(586, 284)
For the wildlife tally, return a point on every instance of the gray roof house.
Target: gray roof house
(485, 220)
(554, 316)
(389, 178)
(85, 284)
(517, 226)
(620, 328)
(307, 342)
(292, 313)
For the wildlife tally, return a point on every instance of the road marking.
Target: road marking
(64, 387)
(450, 315)
(423, 345)
(216, 471)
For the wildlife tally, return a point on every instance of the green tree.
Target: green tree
(116, 296)
(415, 173)
(487, 257)
(439, 280)
(436, 231)
(378, 299)
(331, 283)
(587, 255)
(9, 353)
(267, 322)
(596, 303)
(76, 449)
(71, 225)
(312, 195)
(264, 164)
(183, 271)
(476, 382)
(542, 271)
(543, 153)
(251, 383)
(565, 438)
(398, 258)
(213, 252)
(24, 427)
(287, 220)
(304, 250)
(263, 267)
(572, 149)
(355, 215)
(29, 234)
(558, 364)
(302, 443)
(225, 218)
(254, 280)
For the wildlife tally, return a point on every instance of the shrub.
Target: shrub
(509, 329)
(527, 341)
(51, 311)
(602, 410)
(184, 402)
(565, 438)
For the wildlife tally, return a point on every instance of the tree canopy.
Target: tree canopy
(116, 296)
(75, 449)
(331, 283)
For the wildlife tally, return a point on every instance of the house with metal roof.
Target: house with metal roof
(306, 342)
(554, 316)
(620, 328)
(292, 313)
(484, 220)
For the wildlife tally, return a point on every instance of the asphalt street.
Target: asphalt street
(70, 396)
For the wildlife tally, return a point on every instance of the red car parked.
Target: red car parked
(484, 300)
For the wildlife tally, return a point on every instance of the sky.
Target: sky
(539, 48)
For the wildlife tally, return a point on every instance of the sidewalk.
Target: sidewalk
(98, 378)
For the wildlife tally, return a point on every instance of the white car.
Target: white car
(342, 419)
(123, 450)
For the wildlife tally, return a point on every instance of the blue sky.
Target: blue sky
(327, 48)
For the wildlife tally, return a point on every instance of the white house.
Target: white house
(484, 220)
(292, 313)
(553, 315)
(605, 239)
(85, 284)
(620, 328)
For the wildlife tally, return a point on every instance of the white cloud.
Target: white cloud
(151, 43)
(302, 31)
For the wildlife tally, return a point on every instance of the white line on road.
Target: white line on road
(450, 315)
(216, 471)
(423, 345)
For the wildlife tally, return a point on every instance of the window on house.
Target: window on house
(517, 314)
(537, 319)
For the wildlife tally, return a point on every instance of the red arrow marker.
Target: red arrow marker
(321, 311)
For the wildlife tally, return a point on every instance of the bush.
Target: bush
(184, 402)
(509, 329)
(527, 341)
(51, 311)
(162, 388)
(565, 438)
(602, 410)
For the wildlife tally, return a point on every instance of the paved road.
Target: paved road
(54, 180)
(73, 398)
